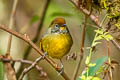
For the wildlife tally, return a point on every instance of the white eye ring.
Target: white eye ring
(56, 25)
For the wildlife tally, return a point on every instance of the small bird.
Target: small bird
(57, 41)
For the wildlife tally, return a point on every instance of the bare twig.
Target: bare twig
(109, 61)
(26, 39)
(116, 44)
(2, 58)
(11, 25)
(81, 49)
(27, 51)
(29, 68)
(85, 11)
(11, 75)
(87, 6)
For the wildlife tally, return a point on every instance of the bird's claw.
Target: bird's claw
(61, 69)
(45, 54)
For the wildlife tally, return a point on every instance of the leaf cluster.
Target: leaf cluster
(112, 8)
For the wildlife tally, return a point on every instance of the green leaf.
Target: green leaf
(117, 25)
(99, 63)
(87, 60)
(89, 77)
(92, 70)
(103, 35)
(98, 73)
(34, 19)
(95, 43)
(99, 31)
(98, 38)
(96, 78)
(83, 77)
(92, 64)
(108, 37)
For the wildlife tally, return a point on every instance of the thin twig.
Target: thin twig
(11, 23)
(26, 39)
(26, 70)
(82, 39)
(25, 62)
(81, 49)
(11, 75)
(116, 44)
(109, 61)
(27, 51)
(85, 11)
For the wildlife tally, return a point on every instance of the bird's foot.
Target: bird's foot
(61, 71)
(45, 54)
(61, 68)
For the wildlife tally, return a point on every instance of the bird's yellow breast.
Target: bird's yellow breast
(56, 45)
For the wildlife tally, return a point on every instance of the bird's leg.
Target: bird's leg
(61, 68)
(45, 54)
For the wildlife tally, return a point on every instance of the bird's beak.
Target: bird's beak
(62, 28)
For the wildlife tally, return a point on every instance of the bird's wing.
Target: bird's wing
(40, 45)
(41, 40)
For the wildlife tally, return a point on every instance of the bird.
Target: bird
(57, 41)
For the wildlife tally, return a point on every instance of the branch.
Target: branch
(85, 11)
(26, 39)
(116, 44)
(26, 70)
(2, 58)
(81, 48)
(92, 17)
(110, 75)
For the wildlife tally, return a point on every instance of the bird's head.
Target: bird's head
(58, 25)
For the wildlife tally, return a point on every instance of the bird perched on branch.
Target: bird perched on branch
(57, 41)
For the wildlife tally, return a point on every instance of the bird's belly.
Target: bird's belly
(57, 45)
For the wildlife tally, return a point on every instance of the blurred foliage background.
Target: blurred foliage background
(27, 21)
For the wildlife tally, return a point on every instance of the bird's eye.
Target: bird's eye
(56, 25)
